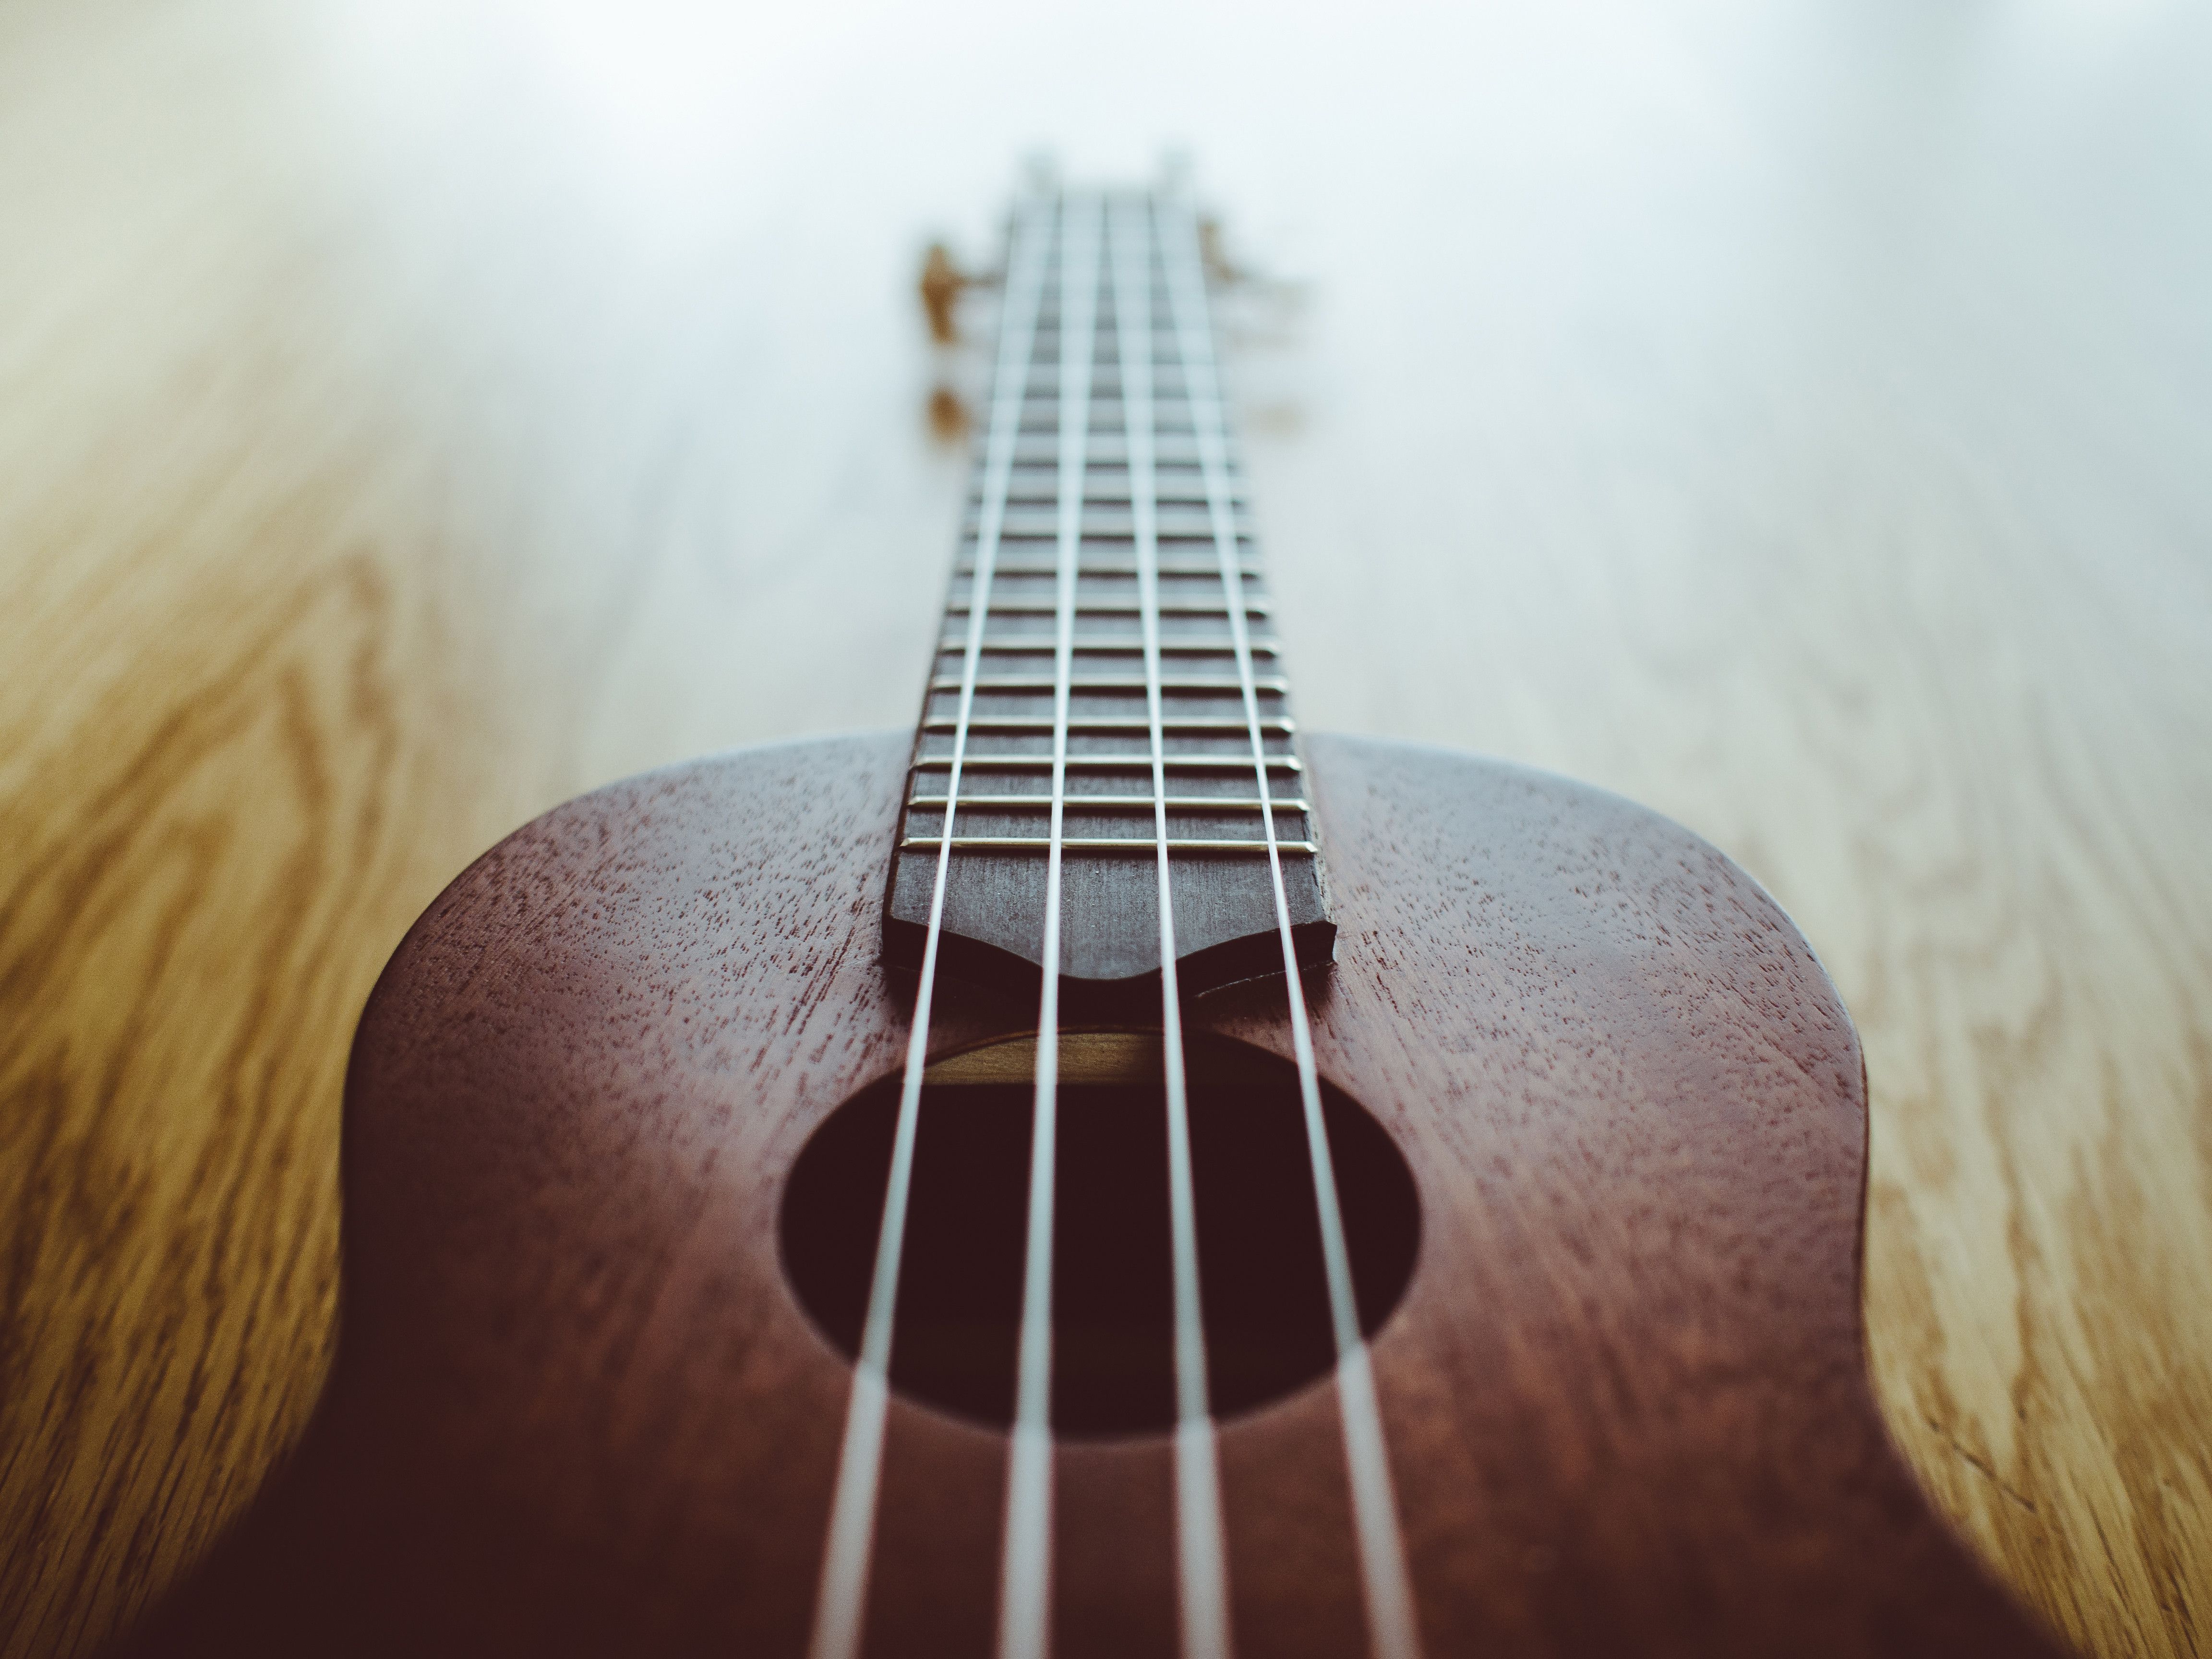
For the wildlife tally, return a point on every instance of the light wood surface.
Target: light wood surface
(1796, 418)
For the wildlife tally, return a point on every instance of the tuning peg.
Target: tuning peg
(1214, 254)
(942, 284)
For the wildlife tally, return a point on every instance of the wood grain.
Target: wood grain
(576, 1407)
(1792, 418)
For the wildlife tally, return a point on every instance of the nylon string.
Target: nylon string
(1025, 1589)
(841, 1601)
(1201, 1556)
(1391, 1629)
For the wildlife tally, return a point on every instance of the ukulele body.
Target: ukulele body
(577, 1409)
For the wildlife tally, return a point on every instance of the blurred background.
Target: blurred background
(1796, 416)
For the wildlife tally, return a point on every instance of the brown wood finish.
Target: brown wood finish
(575, 1408)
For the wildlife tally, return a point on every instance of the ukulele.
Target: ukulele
(1106, 1175)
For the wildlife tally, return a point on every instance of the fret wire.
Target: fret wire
(1237, 763)
(1039, 448)
(1106, 485)
(1100, 844)
(1114, 566)
(842, 1593)
(1186, 529)
(1105, 519)
(1109, 487)
(1038, 608)
(1106, 491)
(1277, 724)
(1184, 532)
(1119, 802)
(1114, 557)
(1103, 683)
(1208, 571)
(1374, 1515)
(1187, 648)
(1122, 550)
(1040, 416)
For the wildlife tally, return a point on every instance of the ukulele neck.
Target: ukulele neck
(1107, 689)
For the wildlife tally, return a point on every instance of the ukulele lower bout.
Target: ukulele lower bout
(580, 1404)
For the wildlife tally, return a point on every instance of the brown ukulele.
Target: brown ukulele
(1107, 1176)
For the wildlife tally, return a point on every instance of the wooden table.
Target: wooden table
(1798, 417)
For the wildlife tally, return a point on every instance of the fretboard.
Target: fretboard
(1107, 665)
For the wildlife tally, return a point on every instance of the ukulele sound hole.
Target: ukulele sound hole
(1262, 1288)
